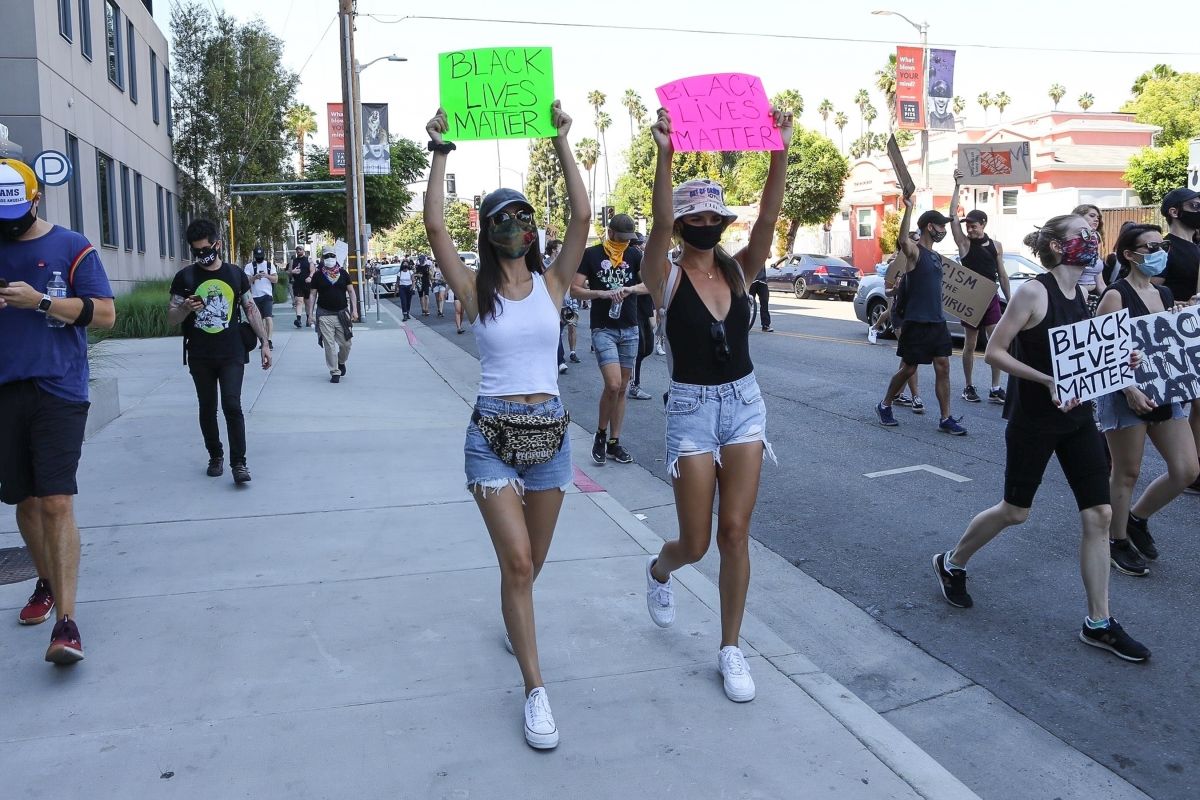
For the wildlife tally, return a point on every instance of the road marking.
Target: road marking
(919, 468)
(584, 483)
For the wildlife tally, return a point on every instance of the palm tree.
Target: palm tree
(862, 100)
(959, 105)
(789, 100)
(825, 109)
(1159, 72)
(1086, 101)
(603, 123)
(636, 108)
(885, 82)
(1057, 93)
(839, 121)
(869, 116)
(1002, 101)
(984, 100)
(301, 121)
(587, 152)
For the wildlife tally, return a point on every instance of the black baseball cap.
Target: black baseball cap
(1176, 198)
(932, 217)
(975, 215)
(501, 198)
(622, 228)
(258, 252)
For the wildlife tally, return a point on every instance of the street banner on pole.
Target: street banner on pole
(726, 111)
(903, 177)
(965, 294)
(337, 139)
(1170, 346)
(377, 150)
(995, 164)
(1091, 358)
(910, 88)
(498, 93)
(940, 85)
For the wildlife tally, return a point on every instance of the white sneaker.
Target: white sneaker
(562, 368)
(508, 645)
(872, 335)
(635, 392)
(540, 731)
(659, 349)
(739, 686)
(660, 598)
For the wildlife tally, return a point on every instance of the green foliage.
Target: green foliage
(1086, 101)
(1158, 71)
(1154, 171)
(904, 137)
(1057, 93)
(1172, 103)
(387, 196)
(301, 122)
(816, 177)
(279, 292)
(141, 314)
(407, 237)
(789, 100)
(889, 232)
(545, 171)
(632, 192)
(458, 223)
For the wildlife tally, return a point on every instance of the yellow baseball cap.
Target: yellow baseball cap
(18, 188)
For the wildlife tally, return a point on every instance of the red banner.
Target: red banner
(337, 139)
(910, 88)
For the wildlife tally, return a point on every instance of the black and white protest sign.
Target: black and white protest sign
(1170, 346)
(1091, 358)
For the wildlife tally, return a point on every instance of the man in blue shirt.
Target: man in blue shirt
(44, 392)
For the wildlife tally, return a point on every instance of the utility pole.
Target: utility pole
(354, 181)
(924, 29)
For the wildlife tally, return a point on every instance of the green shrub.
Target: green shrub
(141, 314)
(281, 288)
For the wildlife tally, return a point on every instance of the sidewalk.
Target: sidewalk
(333, 630)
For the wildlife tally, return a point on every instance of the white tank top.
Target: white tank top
(518, 348)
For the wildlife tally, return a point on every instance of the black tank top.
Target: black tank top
(693, 346)
(1030, 403)
(1133, 302)
(983, 258)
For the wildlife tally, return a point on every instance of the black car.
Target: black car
(809, 274)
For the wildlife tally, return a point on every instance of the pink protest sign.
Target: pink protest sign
(724, 111)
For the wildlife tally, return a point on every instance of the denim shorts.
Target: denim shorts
(485, 471)
(703, 419)
(1113, 413)
(616, 345)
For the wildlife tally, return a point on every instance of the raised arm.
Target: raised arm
(461, 279)
(1001, 272)
(960, 238)
(562, 269)
(903, 243)
(758, 249)
(662, 212)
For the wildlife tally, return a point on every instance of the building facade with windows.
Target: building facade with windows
(90, 79)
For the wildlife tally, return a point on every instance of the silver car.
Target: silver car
(387, 279)
(870, 300)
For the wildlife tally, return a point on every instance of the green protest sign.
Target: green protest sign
(498, 93)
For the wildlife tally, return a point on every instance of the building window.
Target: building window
(64, 19)
(162, 225)
(1008, 201)
(167, 100)
(112, 43)
(139, 212)
(866, 223)
(154, 86)
(171, 224)
(85, 28)
(126, 208)
(74, 188)
(106, 187)
(131, 46)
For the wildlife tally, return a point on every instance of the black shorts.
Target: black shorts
(1080, 453)
(922, 342)
(41, 439)
(266, 306)
(301, 290)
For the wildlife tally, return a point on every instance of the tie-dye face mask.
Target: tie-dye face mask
(512, 232)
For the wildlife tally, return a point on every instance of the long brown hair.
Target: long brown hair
(1083, 208)
(487, 279)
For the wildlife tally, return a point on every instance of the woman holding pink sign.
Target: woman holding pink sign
(716, 417)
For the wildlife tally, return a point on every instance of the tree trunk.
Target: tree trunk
(793, 227)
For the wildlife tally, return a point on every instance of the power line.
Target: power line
(332, 20)
(785, 36)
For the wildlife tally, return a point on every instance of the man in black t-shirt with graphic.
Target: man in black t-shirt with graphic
(300, 270)
(1181, 208)
(210, 299)
(609, 274)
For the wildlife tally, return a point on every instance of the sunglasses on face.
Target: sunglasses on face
(1154, 247)
(520, 215)
(720, 345)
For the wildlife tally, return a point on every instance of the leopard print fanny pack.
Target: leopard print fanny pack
(523, 440)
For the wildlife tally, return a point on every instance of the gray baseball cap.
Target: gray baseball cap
(501, 198)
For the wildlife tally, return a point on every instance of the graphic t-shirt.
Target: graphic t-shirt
(212, 332)
(1183, 266)
(55, 358)
(603, 275)
(331, 295)
(260, 284)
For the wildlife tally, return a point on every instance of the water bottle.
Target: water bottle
(614, 310)
(57, 289)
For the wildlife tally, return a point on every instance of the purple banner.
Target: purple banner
(940, 86)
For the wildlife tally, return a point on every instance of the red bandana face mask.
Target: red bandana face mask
(1080, 251)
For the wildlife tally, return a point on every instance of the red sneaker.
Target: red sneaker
(65, 647)
(40, 604)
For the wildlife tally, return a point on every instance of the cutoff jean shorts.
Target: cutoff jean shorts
(703, 419)
(486, 472)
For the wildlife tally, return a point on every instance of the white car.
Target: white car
(470, 259)
(387, 279)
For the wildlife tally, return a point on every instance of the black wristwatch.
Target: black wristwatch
(44, 305)
(443, 148)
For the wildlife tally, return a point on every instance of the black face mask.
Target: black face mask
(936, 235)
(701, 237)
(13, 229)
(1190, 219)
(204, 255)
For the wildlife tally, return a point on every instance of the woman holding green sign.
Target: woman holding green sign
(518, 457)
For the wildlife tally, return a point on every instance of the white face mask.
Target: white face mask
(330, 263)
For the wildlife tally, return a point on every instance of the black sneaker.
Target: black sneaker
(1115, 640)
(598, 450)
(240, 473)
(216, 466)
(918, 405)
(970, 395)
(1126, 558)
(574, 358)
(1194, 488)
(618, 453)
(997, 396)
(953, 583)
(902, 400)
(342, 368)
(335, 378)
(1139, 534)
(297, 322)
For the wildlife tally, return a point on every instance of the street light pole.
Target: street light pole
(923, 29)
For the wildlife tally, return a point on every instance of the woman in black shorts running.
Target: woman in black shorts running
(1039, 427)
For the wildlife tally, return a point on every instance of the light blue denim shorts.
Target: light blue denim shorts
(486, 472)
(1113, 413)
(703, 419)
(616, 345)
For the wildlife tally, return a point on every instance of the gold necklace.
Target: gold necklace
(709, 274)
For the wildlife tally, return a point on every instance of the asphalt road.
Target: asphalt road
(871, 539)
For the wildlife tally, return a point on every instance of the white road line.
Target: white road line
(918, 468)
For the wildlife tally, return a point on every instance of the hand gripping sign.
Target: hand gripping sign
(1091, 358)
(722, 111)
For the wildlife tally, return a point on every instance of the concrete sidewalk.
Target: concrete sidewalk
(333, 630)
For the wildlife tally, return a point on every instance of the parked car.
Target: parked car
(470, 259)
(809, 274)
(387, 278)
(870, 301)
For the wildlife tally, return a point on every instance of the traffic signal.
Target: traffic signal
(300, 234)
(478, 200)
(609, 213)
(451, 185)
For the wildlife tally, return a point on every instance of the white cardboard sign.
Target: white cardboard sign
(1170, 346)
(996, 164)
(1091, 358)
